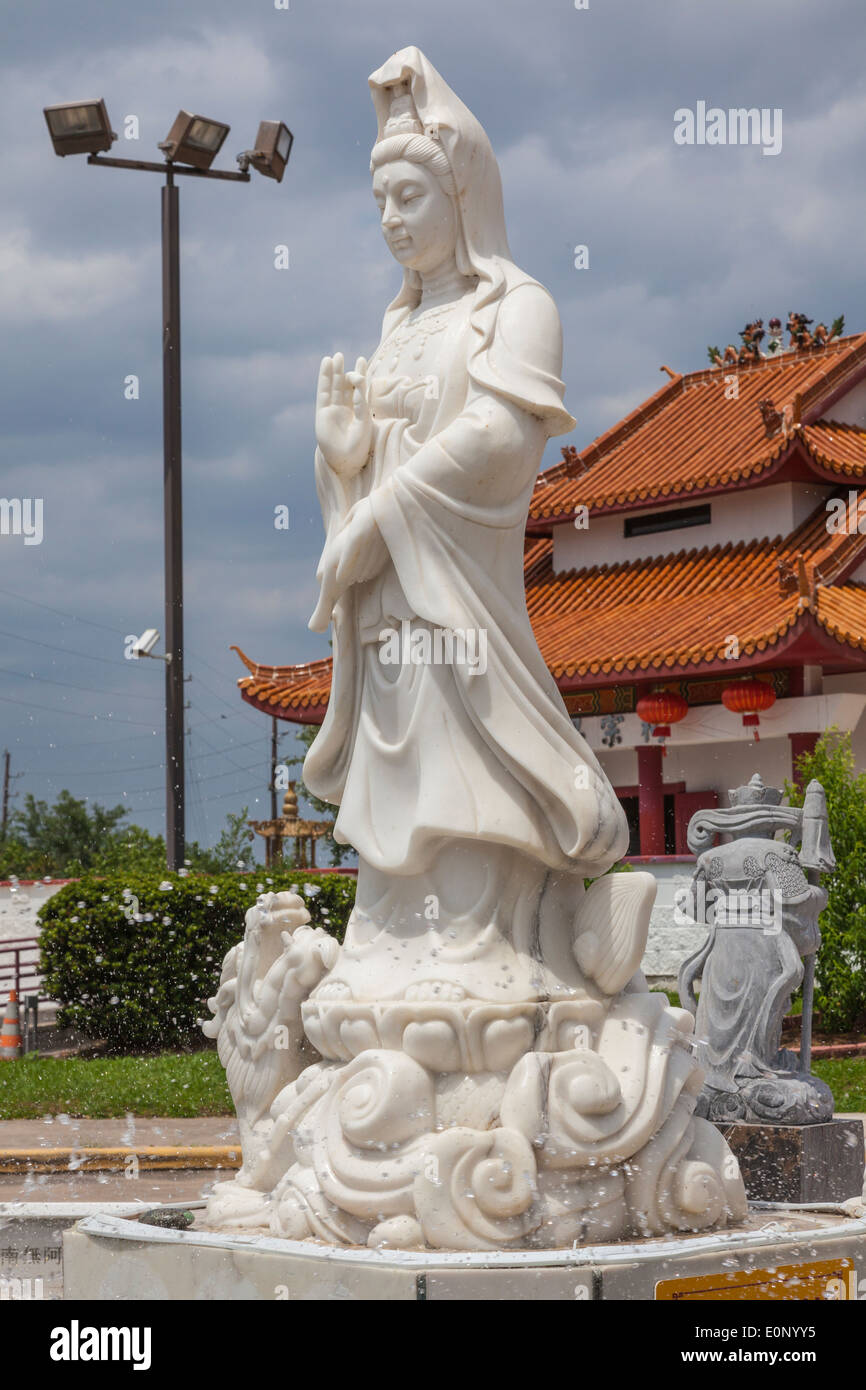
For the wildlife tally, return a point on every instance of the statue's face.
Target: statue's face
(419, 220)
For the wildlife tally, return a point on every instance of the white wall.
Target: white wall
(765, 512)
(853, 680)
(710, 749)
(850, 409)
(620, 766)
(19, 904)
(719, 766)
(709, 766)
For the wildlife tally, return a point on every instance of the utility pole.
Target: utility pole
(274, 768)
(5, 820)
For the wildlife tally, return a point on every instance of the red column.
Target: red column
(651, 800)
(801, 743)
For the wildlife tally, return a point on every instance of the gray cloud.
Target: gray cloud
(685, 244)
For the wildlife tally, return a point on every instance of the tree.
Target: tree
(131, 847)
(232, 851)
(67, 836)
(71, 838)
(840, 976)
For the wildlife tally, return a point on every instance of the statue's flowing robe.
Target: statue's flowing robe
(419, 755)
(415, 755)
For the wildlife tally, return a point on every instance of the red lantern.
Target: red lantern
(661, 708)
(748, 697)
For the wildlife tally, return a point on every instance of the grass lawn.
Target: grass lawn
(846, 1077)
(103, 1087)
(195, 1084)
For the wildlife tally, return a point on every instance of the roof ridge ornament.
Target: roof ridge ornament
(751, 337)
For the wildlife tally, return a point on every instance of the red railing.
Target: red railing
(19, 966)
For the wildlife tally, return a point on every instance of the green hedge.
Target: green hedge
(133, 961)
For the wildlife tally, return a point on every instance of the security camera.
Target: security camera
(144, 645)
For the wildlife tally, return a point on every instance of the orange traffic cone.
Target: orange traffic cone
(10, 1036)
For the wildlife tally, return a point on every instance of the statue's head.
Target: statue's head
(414, 187)
(437, 183)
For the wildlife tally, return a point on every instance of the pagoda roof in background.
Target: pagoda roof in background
(689, 440)
(789, 600)
(784, 598)
(298, 693)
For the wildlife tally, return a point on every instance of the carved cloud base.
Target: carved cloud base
(593, 1140)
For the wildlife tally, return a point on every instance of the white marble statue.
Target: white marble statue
(492, 1071)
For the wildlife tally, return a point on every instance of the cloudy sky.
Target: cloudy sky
(685, 244)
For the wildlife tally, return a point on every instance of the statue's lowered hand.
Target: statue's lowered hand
(354, 554)
(344, 427)
(362, 551)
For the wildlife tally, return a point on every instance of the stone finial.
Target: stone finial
(755, 794)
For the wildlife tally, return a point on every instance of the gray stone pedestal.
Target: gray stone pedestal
(799, 1163)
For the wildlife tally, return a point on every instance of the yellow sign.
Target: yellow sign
(827, 1280)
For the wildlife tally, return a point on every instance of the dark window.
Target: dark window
(648, 524)
(630, 806)
(670, 826)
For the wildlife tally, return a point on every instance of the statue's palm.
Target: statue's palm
(343, 425)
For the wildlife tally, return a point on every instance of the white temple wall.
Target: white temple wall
(850, 409)
(775, 510)
(620, 766)
(723, 765)
(854, 681)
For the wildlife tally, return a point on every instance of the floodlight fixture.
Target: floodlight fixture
(79, 127)
(271, 155)
(194, 140)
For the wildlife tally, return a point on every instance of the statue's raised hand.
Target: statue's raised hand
(344, 428)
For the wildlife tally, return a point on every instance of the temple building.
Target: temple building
(696, 580)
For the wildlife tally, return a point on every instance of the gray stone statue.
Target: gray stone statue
(761, 899)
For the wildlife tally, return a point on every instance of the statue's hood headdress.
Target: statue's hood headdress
(444, 117)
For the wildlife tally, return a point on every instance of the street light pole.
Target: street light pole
(175, 779)
(175, 834)
(83, 127)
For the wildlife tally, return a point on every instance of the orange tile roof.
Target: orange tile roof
(839, 449)
(689, 438)
(842, 613)
(275, 690)
(645, 618)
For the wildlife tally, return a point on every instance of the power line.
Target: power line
(91, 622)
(149, 791)
(63, 651)
(76, 714)
(149, 767)
(88, 689)
(236, 709)
(203, 662)
(220, 796)
(73, 617)
(85, 742)
(216, 750)
(110, 742)
(239, 710)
